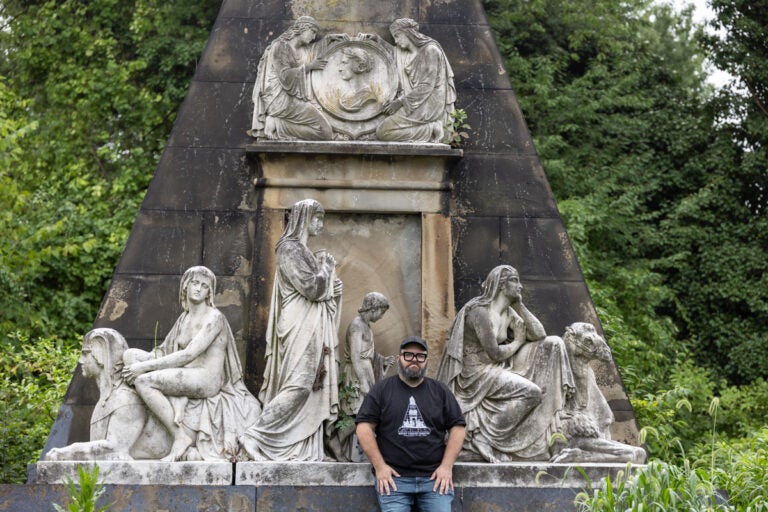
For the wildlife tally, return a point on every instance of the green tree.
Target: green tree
(661, 181)
(88, 94)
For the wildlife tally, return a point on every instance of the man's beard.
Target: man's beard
(411, 375)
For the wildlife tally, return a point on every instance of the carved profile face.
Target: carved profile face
(511, 286)
(307, 35)
(345, 69)
(377, 313)
(90, 358)
(316, 223)
(402, 41)
(198, 289)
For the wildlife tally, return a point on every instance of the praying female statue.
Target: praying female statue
(300, 390)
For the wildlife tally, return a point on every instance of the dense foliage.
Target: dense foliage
(661, 180)
(88, 95)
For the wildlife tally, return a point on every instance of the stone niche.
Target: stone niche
(386, 223)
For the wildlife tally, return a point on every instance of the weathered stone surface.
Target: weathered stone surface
(476, 63)
(140, 472)
(466, 475)
(283, 487)
(502, 185)
(201, 179)
(492, 131)
(215, 115)
(232, 53)
(33, 498)
(228, 246)
(176, 236)
(268, 9)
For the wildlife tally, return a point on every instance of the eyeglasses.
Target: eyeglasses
(418, 356)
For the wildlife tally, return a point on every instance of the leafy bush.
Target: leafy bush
(33, 379)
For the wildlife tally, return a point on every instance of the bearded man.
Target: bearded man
(402, 428)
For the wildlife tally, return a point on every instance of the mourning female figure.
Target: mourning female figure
(511, 380)
(300, 390)
(427, 92)
(193, 382)
(282, 93)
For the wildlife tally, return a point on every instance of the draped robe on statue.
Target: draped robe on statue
(221, 419)
(300, 390)
(281, 96)
(487, 391)
(428, 96)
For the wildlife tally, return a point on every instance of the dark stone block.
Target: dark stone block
(502, 185)
(316, 499)
(365, 11)
(559, 303)
(163, 242)
(228, 243)
(136, 304)
(33, 498)
(266, 9)
(538, 248)
(469, 12)
(517, 499)
(473, 56)
(201, 179)
(233, 51)
(214, 115)
(497, 124)
(477, 246)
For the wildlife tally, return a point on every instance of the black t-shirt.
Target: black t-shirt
(411, 423)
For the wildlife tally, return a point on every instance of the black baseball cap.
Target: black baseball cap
(413, 340)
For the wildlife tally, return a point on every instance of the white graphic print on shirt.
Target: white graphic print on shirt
(413, 423)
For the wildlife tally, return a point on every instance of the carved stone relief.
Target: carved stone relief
(338, 87)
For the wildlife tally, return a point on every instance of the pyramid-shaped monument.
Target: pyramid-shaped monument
(424, 223)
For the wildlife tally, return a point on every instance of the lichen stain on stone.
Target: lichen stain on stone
(228, 298)
(115, 308)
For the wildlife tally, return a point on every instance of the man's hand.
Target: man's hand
(443, 477)
(385, 480)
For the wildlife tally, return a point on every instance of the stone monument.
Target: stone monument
(419, 221)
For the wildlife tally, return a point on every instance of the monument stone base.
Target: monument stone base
(301, 486)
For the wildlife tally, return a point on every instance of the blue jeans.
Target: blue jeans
(418, 490)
